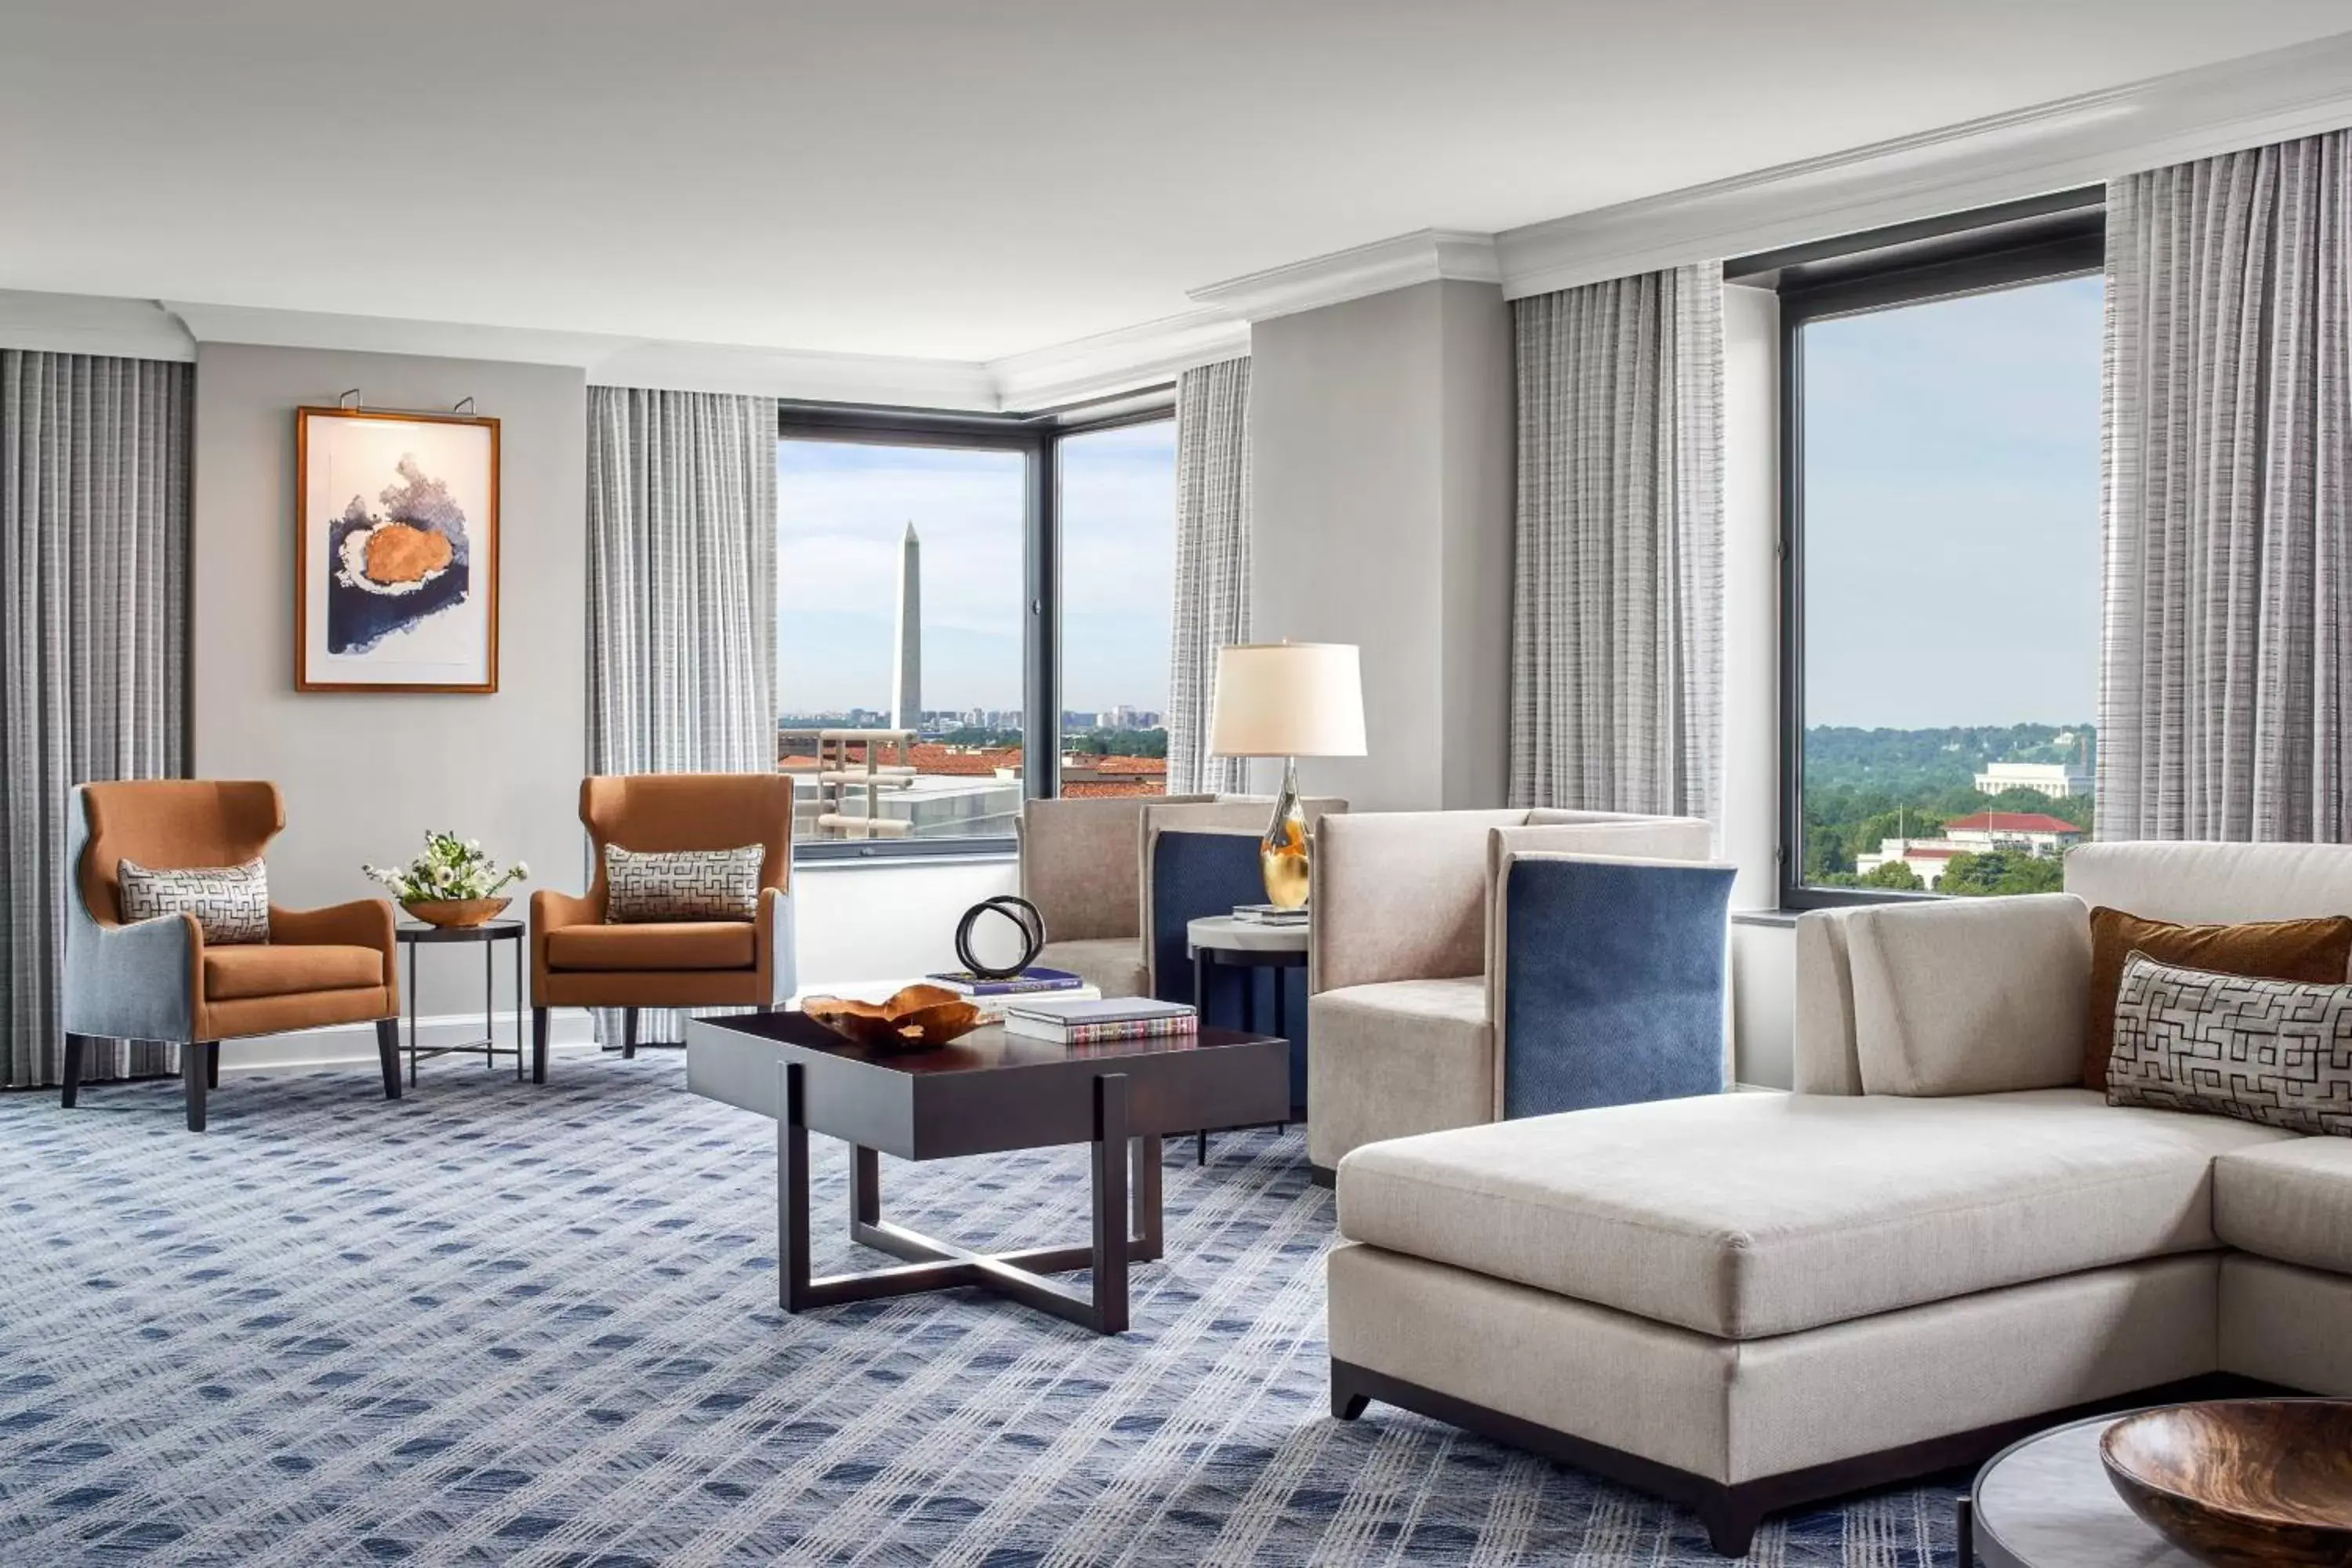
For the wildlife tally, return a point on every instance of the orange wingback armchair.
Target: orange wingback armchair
(578, 958)
(156, 980)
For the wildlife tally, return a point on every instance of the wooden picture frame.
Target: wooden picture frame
(396, 535)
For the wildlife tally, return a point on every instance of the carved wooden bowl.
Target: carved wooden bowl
(456, 912)
(917, 1018)
(2236, 1482)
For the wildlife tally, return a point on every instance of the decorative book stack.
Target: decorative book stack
(1029, 981)
(1269, 915)
(1072, 1022)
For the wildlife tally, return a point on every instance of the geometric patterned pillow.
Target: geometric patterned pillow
(231, 903)
(682, 884)
(2278, 1052)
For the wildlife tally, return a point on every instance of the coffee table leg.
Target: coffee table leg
(864, 1188)
(791, 1192)
(1144, 1178)
(1111, 1156)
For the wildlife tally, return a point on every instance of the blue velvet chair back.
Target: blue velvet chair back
(1614, 981)
(1194, 873)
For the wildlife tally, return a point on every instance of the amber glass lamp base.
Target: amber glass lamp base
(1282, 853)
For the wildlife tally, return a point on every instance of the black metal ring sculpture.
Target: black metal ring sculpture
(1022, 913)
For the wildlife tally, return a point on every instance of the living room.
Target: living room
(1487, 772)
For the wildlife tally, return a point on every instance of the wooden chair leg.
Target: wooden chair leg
(195, 1073)
(628, 1034)
(539, 1045)
(75, 1045)
(387, 1054)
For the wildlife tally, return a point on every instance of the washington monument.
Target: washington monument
(907, 667)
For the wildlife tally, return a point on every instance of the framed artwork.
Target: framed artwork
(396, 552)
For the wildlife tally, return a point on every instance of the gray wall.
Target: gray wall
(1381, 515)
(365, 774)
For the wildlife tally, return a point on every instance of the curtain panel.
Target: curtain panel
(681, 582)
(2226, 671)
(94, 495)
(1617, 604)
(1213, 565)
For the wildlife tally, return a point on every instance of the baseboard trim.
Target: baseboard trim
(569, 1030)
(1732, 1512)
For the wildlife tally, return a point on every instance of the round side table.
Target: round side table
(489, 935)
(1222, 942)
(2046, 1502)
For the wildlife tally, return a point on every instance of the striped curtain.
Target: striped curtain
(681, 582)
(94, 485)
(1213, 565)
(2226, 678)
(1617, 605)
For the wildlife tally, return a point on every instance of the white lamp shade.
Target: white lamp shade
(1288, 700)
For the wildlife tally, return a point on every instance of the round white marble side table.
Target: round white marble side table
(1216, 940)
(2046, 1502)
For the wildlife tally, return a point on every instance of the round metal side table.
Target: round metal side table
(488, 935)
(2046, 1502)
(1222, 941)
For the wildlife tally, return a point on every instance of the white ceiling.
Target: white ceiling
(957, 179)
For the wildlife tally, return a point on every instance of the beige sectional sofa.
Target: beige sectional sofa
(1403, 978)
(1747, 1301)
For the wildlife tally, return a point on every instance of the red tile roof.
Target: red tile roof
(2012, 822)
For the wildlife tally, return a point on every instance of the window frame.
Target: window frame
(2045, 239)
(1038, 438)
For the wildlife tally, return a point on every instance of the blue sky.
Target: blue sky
(843, 505)
(1952, 511)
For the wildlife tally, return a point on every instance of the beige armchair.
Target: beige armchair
(1081, 866)
(157, 980)
(1406, 992)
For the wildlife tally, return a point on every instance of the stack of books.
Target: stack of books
(1029, 981)
(1070, 1022)
(1269, 915)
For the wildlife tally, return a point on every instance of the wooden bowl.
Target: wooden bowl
(917, 1019)
(2238, 1482)
(455, 911)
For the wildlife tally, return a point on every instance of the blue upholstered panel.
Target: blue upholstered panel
(1615, 984)
(1197, 874)
(129, 983)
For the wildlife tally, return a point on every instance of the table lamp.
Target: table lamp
(1289, 700)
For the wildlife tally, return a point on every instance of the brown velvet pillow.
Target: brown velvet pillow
(2316, 952)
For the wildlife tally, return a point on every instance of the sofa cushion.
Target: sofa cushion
(1397, 1057)
(2278, 1052)
(2291, 1201)
(1927, 1020)
(1749, 1214)
(2317, 951)
(668, 944)
(1114, 964)
(270, 969)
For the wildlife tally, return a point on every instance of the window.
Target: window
(923, 638)
(1941, 400)
(1117, 520)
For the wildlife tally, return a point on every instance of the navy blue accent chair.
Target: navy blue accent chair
(1616, 982)
(1194, 874)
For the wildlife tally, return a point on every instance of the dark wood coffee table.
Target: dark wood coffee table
(988, 1093)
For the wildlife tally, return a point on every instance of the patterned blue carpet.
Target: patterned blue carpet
(500, 1324)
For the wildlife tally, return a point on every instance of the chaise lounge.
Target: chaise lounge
(1748, 1301)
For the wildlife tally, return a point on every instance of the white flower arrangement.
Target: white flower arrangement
(451, 869)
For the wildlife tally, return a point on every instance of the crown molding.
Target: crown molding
(91, 324)
(874, 379)
(1107, 363)
(1425, 256)
(2084, 140)
(269, 328)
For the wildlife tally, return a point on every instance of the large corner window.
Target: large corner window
(1118, 517)
(971, 610)
(1940, 398)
